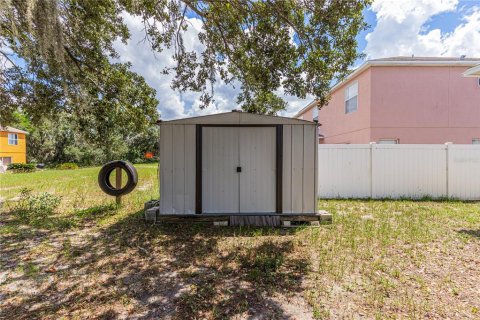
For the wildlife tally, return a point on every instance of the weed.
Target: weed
(262, 267)
(95, 211)
(69, 251)
(35, 207)
(30, 269)
(67, 166)
(320, 313)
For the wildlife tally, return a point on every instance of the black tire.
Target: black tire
(106, 171)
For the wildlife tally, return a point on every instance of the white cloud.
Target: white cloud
(174, 104)
(400, 30)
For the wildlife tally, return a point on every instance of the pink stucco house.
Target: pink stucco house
(402, 100)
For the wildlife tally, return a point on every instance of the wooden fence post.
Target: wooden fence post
(118, 184)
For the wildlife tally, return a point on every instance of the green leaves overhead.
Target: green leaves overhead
(58, 54)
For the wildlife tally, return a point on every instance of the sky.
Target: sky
(449, 28)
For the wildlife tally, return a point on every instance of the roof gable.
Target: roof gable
(238, 118)
(12, 130)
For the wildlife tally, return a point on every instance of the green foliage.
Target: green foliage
(62, 139)
(62, 54)
(36, 207)
(95, 211)
(21, 167)
(60, 57)
(67, 166)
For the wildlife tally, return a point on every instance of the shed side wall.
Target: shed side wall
(177, 169)
(299, 168)
(287, 169)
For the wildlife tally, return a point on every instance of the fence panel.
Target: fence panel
(344, 172)
(410, 171)
(464, 171)
(395, 171)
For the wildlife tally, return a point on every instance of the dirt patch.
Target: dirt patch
(413, 260)
(131, 270)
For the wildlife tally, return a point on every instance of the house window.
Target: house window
(315, 114)
(5, 160)
(351, 98)
(476, 141)
(388, 141)
(13, 139)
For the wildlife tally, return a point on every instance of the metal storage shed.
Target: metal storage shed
(237, 164)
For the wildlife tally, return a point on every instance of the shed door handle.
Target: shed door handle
(239, 169)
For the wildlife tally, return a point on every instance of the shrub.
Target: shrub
(67, 166)
(35, 207)
(21, 167)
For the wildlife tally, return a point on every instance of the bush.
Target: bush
(21, 167)
(35, 207)
(67, 166)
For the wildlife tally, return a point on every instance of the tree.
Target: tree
(58, 53)
(62, 139)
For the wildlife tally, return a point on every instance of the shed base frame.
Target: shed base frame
(153, 214)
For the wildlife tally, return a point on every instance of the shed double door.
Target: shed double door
(238, 170)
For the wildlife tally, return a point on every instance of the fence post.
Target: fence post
(447, 149)
(118, 184)
(372, 145)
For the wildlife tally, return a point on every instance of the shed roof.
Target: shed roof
(12, 130)
(238, 118)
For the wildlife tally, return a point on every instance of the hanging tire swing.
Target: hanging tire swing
(106, 172)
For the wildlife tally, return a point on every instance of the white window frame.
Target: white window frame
(13, 139)
(476, 141)
(388, 141)
(349, 97)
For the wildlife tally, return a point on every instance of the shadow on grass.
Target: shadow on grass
(173, 271)
(77, 218)
(471, 233)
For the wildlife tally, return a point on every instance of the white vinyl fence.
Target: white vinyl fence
(396, 171)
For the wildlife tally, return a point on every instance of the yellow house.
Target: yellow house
(13, 146)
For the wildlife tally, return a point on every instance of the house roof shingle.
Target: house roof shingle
(11, 130)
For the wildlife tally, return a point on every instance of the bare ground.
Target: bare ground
(129, 269)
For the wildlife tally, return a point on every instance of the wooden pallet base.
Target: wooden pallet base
(295, 224)
(242, 219)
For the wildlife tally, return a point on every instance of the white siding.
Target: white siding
(309, 141)
(297, 169)
(287, 169)
(190, 166)
(177, 169)
(220, 182)
(166, 169)
(225, 148)
(258, 176)
(178, 141)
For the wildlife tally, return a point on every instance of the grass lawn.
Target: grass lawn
(92, 259)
